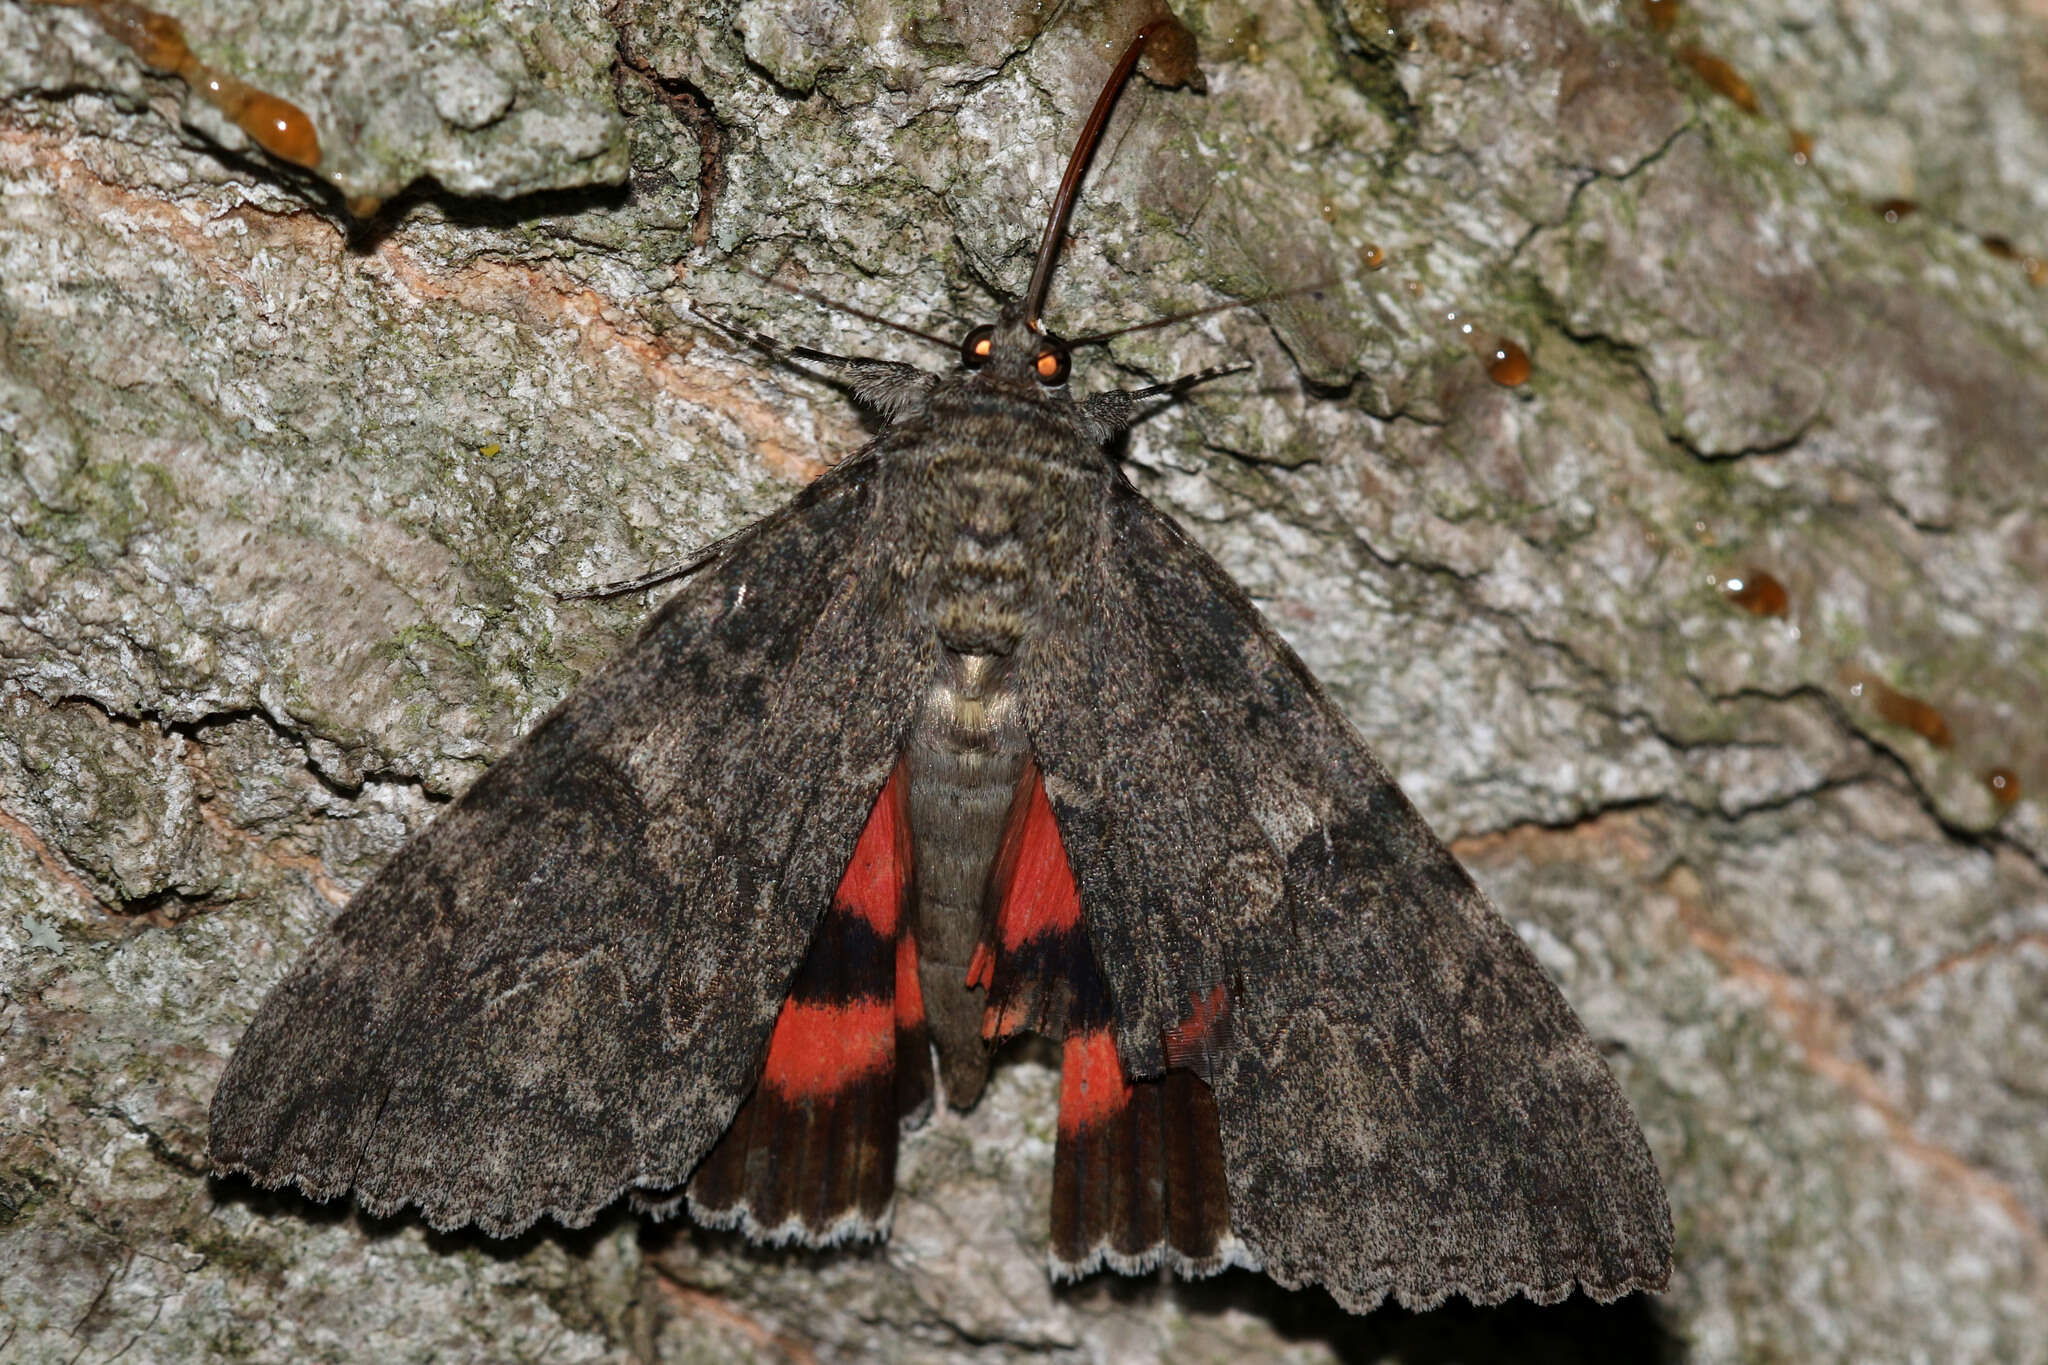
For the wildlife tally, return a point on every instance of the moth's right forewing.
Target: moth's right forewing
(1407, 1104)
(563, 988)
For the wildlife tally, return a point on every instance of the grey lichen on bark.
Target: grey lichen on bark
(287, 495)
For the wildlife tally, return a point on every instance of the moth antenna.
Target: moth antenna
(781, 350)
(1098, 338)
(1070, 183)
(1188, 381)
(1107, 414)
(836, 306)
(654, 578)
(890, 387)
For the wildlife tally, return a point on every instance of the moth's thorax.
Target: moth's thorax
(1005, 491)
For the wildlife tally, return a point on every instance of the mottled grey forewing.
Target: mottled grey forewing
(564, 987)
(1408, 1105)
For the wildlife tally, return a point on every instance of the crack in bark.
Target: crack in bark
(1593, 176)
(1375, 74)
(694, 108)
(99, 1297)
(153, 1142)
(294, 736)
(160, 908)
(1332, 528)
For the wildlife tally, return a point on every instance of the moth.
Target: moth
(965, 741)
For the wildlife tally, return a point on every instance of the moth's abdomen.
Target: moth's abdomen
(965, 752)
(958, 922)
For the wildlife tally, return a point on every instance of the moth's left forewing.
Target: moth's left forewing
(562, 988)
(1408, 1105)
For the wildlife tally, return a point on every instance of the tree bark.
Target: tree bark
(1717, 646)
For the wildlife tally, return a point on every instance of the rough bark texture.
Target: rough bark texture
(286, 496)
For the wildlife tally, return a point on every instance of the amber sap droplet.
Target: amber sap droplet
(277, 126)
(2004, 250)
(1171, 57)
(1802, 148)
(1897, 708)
(1916, 715)
(155, 38)
(1372, 256)
(280, 128)
(2004, 784)
(1759, 594)
(1892, 210)
(1721, 78)
(1662, 14)
(1507, 364)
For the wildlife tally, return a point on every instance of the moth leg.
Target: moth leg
(811, 1155)
(1138, 1166)
(889, 387)
(1108, 414)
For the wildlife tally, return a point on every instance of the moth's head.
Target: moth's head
(1016, 354)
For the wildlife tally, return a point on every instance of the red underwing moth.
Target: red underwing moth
(965, 741)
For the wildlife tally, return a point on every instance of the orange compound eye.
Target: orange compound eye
(1051, 364)
(976, 346)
